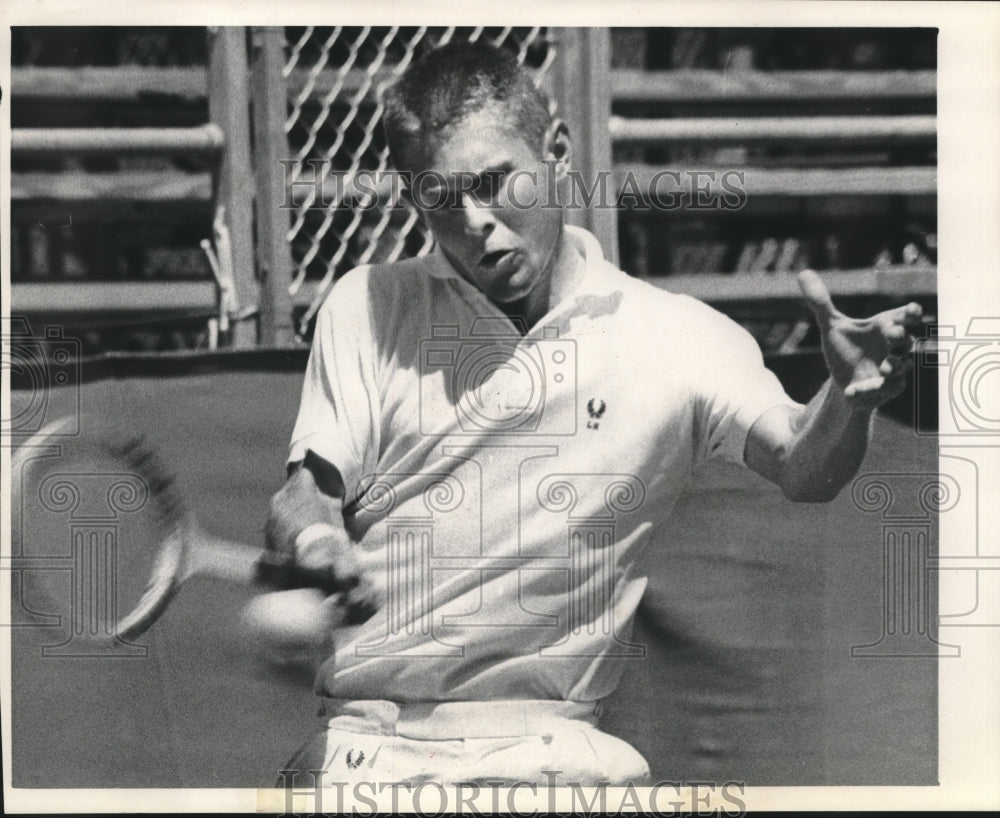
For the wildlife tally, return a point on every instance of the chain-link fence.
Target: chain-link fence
(335, 78)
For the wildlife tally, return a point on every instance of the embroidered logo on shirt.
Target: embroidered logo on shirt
(595, 408)
(351, 762)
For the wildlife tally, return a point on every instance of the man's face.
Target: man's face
(491, 224)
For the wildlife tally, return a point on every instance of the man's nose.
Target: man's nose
(478, 218)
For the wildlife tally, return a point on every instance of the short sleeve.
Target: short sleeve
(340, 405)
(734, 388)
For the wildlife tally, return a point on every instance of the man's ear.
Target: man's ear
(559, 147)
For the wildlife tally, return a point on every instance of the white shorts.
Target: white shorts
(548, 743)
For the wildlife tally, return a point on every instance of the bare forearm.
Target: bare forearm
(311, 495)
(306, 522)
(812, 452)
(828, 442)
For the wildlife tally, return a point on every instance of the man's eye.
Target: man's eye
(491, 184)
(429, 197)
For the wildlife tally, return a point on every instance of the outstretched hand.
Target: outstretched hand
(868, 358)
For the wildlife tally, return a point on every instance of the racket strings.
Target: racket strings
(170, 520)
(140, 456)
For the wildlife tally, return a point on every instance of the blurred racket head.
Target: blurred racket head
(99, 531)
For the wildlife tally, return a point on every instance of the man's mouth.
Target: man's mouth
(494, 258)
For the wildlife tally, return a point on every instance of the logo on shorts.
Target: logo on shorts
(595, 408)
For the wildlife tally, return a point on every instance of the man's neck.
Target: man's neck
(568, 266)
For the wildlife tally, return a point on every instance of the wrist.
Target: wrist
(313, 533)
(316, 545)
(844, 413)
(849, 406)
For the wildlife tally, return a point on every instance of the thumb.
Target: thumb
(817, 296)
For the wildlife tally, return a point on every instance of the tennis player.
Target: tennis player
(490, 434)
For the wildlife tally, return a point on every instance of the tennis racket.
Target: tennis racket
(125, 575)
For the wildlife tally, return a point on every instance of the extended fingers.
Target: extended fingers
(895, 325)
(817, 296)
(890, 381)
(895, 365)
(898, 338)
(864, 388)
(909, 315)
(875, 391)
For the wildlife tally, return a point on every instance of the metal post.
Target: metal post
(580, 82)
(270, 108)
(229, 108)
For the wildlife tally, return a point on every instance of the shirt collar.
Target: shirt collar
(588, 244)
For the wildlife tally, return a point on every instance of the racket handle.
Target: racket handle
(281, 571)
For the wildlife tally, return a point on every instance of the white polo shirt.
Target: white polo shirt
(500, 487)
